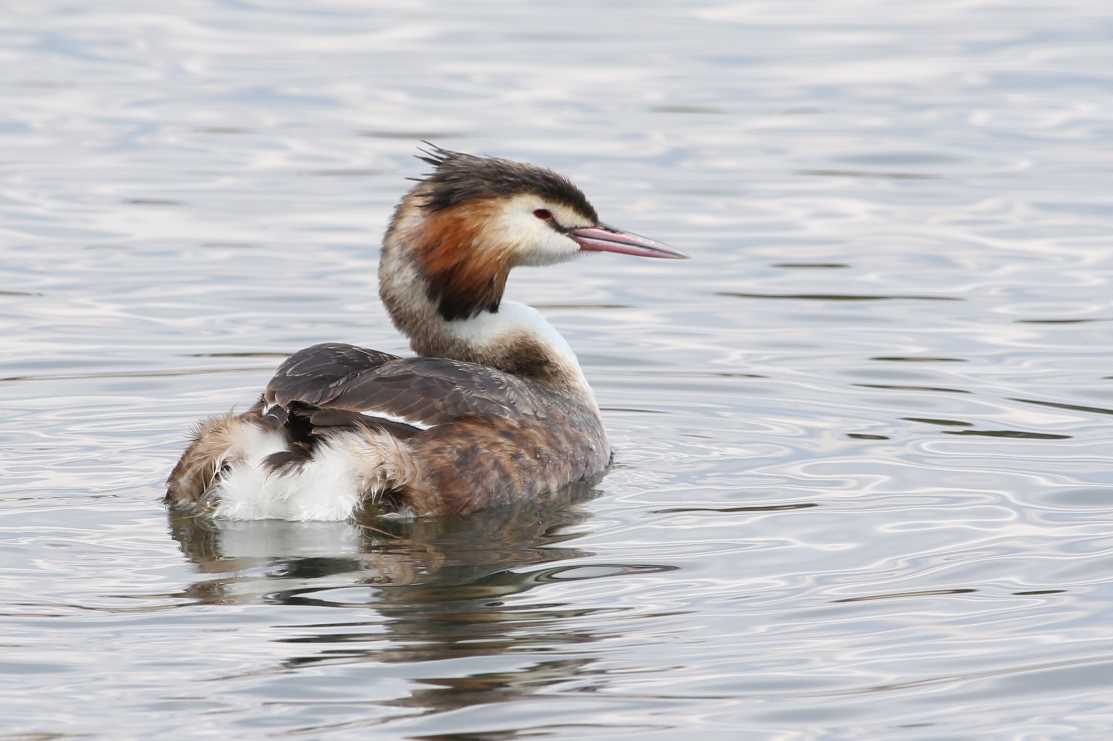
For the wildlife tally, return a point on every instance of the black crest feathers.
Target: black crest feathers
(458, 177)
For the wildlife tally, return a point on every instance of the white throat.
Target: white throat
(487, 331)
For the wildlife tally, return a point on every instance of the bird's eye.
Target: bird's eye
(543, 213)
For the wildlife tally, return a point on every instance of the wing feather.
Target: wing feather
(429, 391)
(316, 374)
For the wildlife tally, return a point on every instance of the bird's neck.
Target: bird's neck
(515, 338)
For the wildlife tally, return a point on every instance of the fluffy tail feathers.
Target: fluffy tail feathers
(253, 467)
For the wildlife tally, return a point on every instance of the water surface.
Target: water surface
(864, 438)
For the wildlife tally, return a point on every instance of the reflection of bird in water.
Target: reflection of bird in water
(493, 409)
(432, 588)
(418, 554)
(420, 592)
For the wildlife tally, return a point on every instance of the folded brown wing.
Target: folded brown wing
(429, 391)
(317, 374)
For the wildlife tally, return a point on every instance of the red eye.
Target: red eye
(543, 213)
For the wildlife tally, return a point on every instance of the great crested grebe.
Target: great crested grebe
(493, 409)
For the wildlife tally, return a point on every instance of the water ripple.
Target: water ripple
(863, 462)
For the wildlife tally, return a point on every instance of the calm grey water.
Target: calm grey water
(864, 479)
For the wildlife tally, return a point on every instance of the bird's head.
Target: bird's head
(472, 219)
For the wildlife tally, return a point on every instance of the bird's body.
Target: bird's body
(494, 408)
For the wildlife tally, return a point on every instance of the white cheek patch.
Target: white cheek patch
(533, 240)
